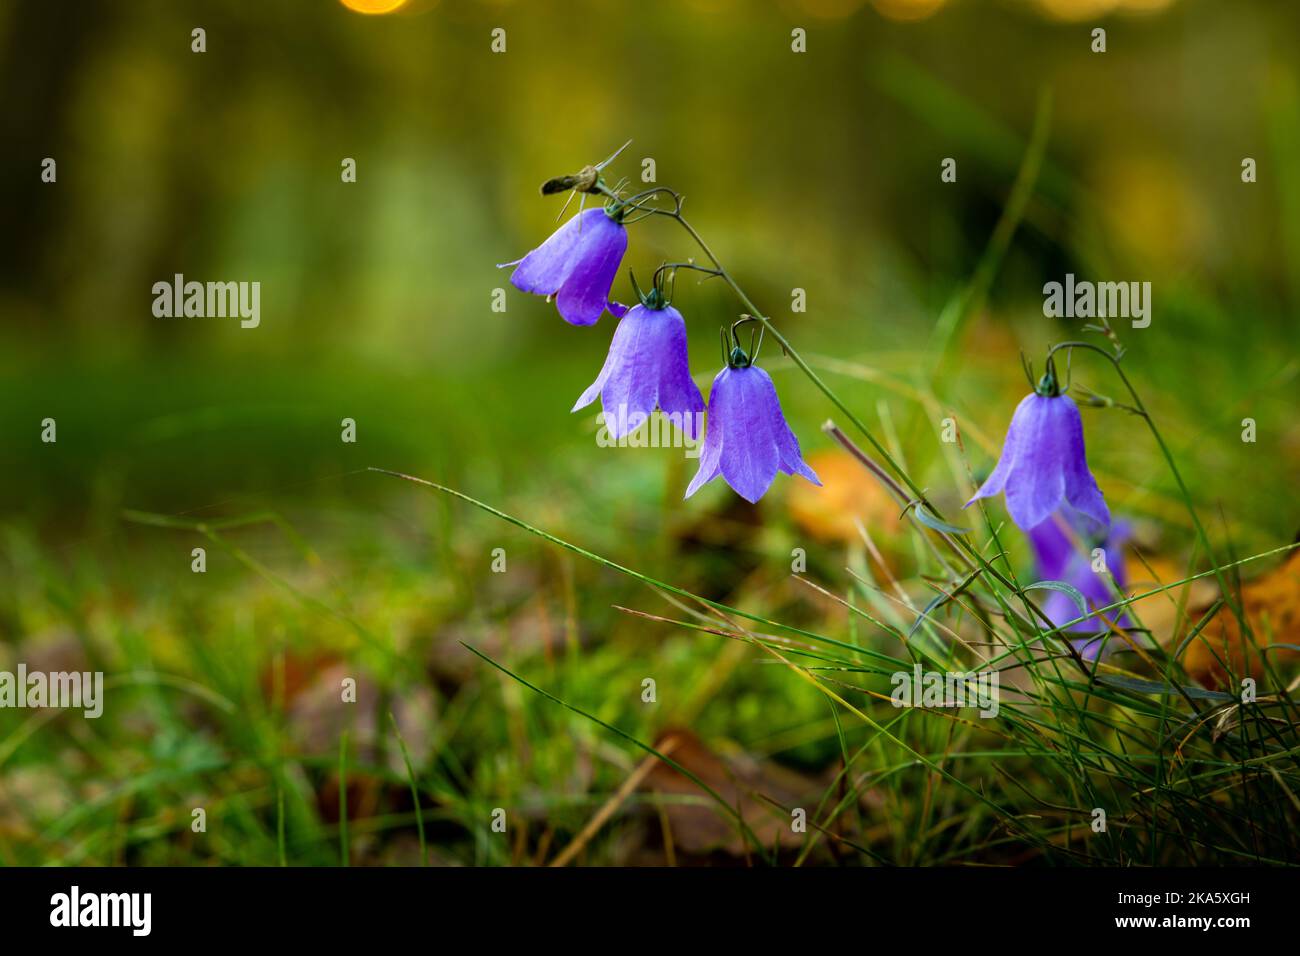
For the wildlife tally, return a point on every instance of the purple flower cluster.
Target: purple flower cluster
(746, 438)
(1052, 495)
(1042, 472)
(1060, 556)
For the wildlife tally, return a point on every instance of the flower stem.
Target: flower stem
(955, 541)
(796, 357)
(1140, 408)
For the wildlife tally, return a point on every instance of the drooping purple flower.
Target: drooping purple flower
(1059, 556)
(577, 265)
(647, 369)
(747, 440)
(1043, 465)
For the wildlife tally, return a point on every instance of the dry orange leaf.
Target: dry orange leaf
(1271, 604)
(1161, 612)
(848, 491)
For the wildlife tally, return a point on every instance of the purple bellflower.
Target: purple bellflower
(647, 369)
(1043, 465)
(1061, 557)
(577, 265)
(747, 440)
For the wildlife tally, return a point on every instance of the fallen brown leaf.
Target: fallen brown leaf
(740, 780)
(848, 494)
(1271, 605)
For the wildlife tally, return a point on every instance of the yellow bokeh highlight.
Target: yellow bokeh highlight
(373, 7)
(1153, 207)
(1077, 10)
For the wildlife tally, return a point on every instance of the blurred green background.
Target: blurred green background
(817, 170)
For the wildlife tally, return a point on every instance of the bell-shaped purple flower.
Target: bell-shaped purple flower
(577, 265)
(747, 440)
(1060, 557)
(1043, 465)
(647, 369)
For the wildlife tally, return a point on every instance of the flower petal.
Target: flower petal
(584, 292)
(706, 473)
(1053, 548)
(544, 270)
(1011, 446)
(1035, 483)
(711, 455)
(787, 443)
(593, 390)
(677, 394)
(629, 385)
(1081, 489)
(747, 412)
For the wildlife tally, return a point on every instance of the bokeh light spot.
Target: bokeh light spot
(373, 7)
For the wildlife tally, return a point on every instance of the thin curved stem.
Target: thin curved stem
(916, 491)
(796, 357)
(1140, 408)
(684, 265)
